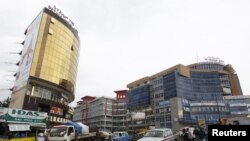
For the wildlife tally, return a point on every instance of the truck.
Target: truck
(71, 131)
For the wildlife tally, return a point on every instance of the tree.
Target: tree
(5, 103)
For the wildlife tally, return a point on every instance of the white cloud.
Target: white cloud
(122, 41)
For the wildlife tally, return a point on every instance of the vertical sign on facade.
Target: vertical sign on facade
(27, 54)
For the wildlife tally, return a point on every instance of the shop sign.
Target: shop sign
(56, 110)
(24, 116)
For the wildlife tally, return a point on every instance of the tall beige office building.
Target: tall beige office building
(46, 76)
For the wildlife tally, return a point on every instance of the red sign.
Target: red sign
(56, 110)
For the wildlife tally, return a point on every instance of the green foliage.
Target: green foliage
(5, 103)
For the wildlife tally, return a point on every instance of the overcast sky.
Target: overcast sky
(125, 40)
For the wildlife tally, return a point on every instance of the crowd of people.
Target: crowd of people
(198, 134)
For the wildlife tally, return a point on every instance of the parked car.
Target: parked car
(159, 135)
(121, 134)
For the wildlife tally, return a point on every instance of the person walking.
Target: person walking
(111, 135)
(135, 136)
(196, 133)
(190, 136)
(120, 137)
(98, 137)
(184, 136)
(202, 135)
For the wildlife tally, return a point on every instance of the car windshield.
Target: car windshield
(58, 131)
(154, 134)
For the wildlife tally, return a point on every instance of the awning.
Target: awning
(19, 127)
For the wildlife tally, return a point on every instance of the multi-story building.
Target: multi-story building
(85, 108)
(139, 108)
(169, 93)
(239, 106)
(119, 111)
(209, 111)
(100, 113)
(82, 109)
(107, 114)
(46, 77)
(78, 112)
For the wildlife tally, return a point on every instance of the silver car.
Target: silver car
(158, 135)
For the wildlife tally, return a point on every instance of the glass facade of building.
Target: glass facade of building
(210, 111)
(56, 54)
(201, 82)
(238, 107)
(169, 85)
(200, 86)
(139, 97)
(47, 72)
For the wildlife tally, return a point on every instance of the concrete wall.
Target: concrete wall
(176, 113)
(17, 99)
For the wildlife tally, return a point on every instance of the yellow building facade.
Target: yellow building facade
(46, 77)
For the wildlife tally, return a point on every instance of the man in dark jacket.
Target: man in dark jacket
(202, 135)
(184, 136)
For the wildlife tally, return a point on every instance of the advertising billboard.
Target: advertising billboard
(56, 110)
(164, 103)
(23, 71)
(138, 117)
(3, 111)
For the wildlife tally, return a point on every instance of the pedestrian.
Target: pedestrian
(120, 137)
(202, 135)
(190, 136)
(98, 137)
(184, 136)
(135, 136)
(196, 133)
(40, 136)
(111, 135)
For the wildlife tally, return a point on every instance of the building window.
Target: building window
(52, 20)
(50, 31)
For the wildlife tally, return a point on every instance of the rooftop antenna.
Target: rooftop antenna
(197, 57)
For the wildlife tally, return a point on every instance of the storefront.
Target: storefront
(25, 124)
